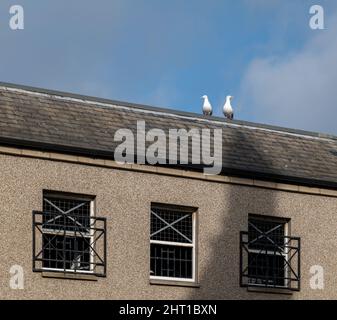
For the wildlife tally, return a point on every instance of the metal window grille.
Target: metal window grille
(68, 238)
(269, 257)
(172, 243)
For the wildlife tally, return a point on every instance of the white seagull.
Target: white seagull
(227, 108)
(206, 108)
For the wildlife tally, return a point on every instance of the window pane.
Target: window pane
(66, 214)
(266, 269)
(171, 261)
(266, 234)
(63, 252)
(170, 225)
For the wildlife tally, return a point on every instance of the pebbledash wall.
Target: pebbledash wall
(124, 195)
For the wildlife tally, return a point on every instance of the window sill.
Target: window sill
(256, 289)
(69, 276)
(174, 283)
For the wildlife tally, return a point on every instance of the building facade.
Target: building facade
(83, 226)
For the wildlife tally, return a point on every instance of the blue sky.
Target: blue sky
(169, 53)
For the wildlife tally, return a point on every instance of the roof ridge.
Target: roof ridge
(170, 112)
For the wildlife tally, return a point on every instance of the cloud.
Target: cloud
(298, 89)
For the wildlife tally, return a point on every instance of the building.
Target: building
(83, 226)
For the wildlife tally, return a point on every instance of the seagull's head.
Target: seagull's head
(229, 98)
(204, 97)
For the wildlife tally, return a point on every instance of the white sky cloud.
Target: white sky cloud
(298, 90)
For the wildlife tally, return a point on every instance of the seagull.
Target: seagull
(227, 108)
(206, 108)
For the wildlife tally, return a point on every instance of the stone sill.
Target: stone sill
(255, 289)
(69, 276)
(174, 283)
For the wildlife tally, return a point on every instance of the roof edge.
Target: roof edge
(165, 110)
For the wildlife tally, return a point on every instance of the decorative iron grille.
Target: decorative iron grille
(66, 238)
(268, 257)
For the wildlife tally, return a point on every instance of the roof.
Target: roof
(70, 123)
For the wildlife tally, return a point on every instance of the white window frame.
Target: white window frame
(180, 244)
(72, 233)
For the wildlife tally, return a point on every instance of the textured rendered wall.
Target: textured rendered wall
(124, 197)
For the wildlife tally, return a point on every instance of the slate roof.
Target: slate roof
(69, 123)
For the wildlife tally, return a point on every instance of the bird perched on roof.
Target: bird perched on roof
(227, 108)
(207, 107)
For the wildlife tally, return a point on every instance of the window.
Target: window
(269, 255)
(266, 236)
(68, 237)
(172, 242)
